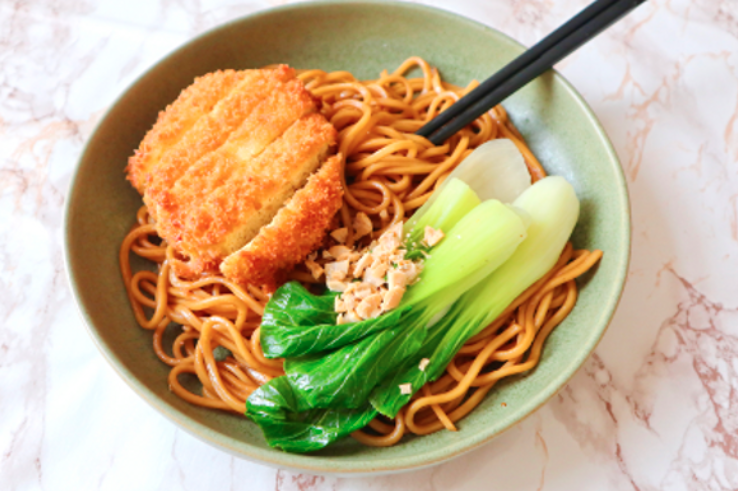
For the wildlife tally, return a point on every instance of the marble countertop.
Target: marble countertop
(654, 408)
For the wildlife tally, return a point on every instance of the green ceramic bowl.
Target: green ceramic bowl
(363, 37)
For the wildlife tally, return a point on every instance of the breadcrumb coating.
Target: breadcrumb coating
(298, 229)
(173, 123)
(224, 171)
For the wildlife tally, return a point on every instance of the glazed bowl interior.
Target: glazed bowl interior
(363, 38)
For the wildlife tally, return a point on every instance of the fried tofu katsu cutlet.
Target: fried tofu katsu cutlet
(291, 236)
(236, 175)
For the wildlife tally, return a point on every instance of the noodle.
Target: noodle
(388, 173)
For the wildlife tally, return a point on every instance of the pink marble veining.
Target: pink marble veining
(656, 406)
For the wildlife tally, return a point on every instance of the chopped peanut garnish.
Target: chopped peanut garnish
(393, 297)
(423, 364)
(374, 280)
(406, 389)
(336, 285)
(398, 257)
(315, 269)
(361, 264)
(349, 301)
(370, 306)
(340, 252)
(340, 235)
(396, 278)
(337, 270)
(411, 270)
(339, 305)
(351, 316)
(362, 290)
(371, 277)
(378, 269)
(391, 239)
(362, 225)
(432, 236)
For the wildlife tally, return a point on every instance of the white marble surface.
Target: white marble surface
(655, 408)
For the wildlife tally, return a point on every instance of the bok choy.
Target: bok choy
(339, 377)
(331, 372)
(554, 209)
(479, 243)
(297, 323)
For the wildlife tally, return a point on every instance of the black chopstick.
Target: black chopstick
(584, 26)
(516, 65)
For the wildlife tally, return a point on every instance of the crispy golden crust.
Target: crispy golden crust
(214, 129)
(176, 120)
(297, 229)
(225, 157)
(195, 181)
(213, 226)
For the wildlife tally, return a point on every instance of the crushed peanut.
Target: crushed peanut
(396, 279)
(432, 236)
(393, 297)
(352, 316)
(315, 269)
(337, 270)
(362, 225)
(340, 235)
(370, 307)
(371, 281)
(361, 264)
(350, 302)
(339, 305)
(423, 364)
(406, 389)
(340, 252)
(336, 285)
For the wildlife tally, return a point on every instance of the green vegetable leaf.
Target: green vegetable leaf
(298, 323)
(344, 378)
(387, 398)
(273, 407)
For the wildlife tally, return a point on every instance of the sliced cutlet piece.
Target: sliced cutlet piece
(298, 229)
(270, 119)
(214, 129)
(175, 121)
(234, 212)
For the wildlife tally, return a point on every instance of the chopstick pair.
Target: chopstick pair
(577, 31)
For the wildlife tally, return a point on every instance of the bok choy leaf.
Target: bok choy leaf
(332, 370)
(298, 323)
(479, 243)
(344, 377)
(273, 407)
(387, 398)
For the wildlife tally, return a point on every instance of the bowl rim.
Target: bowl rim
(307, 462)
